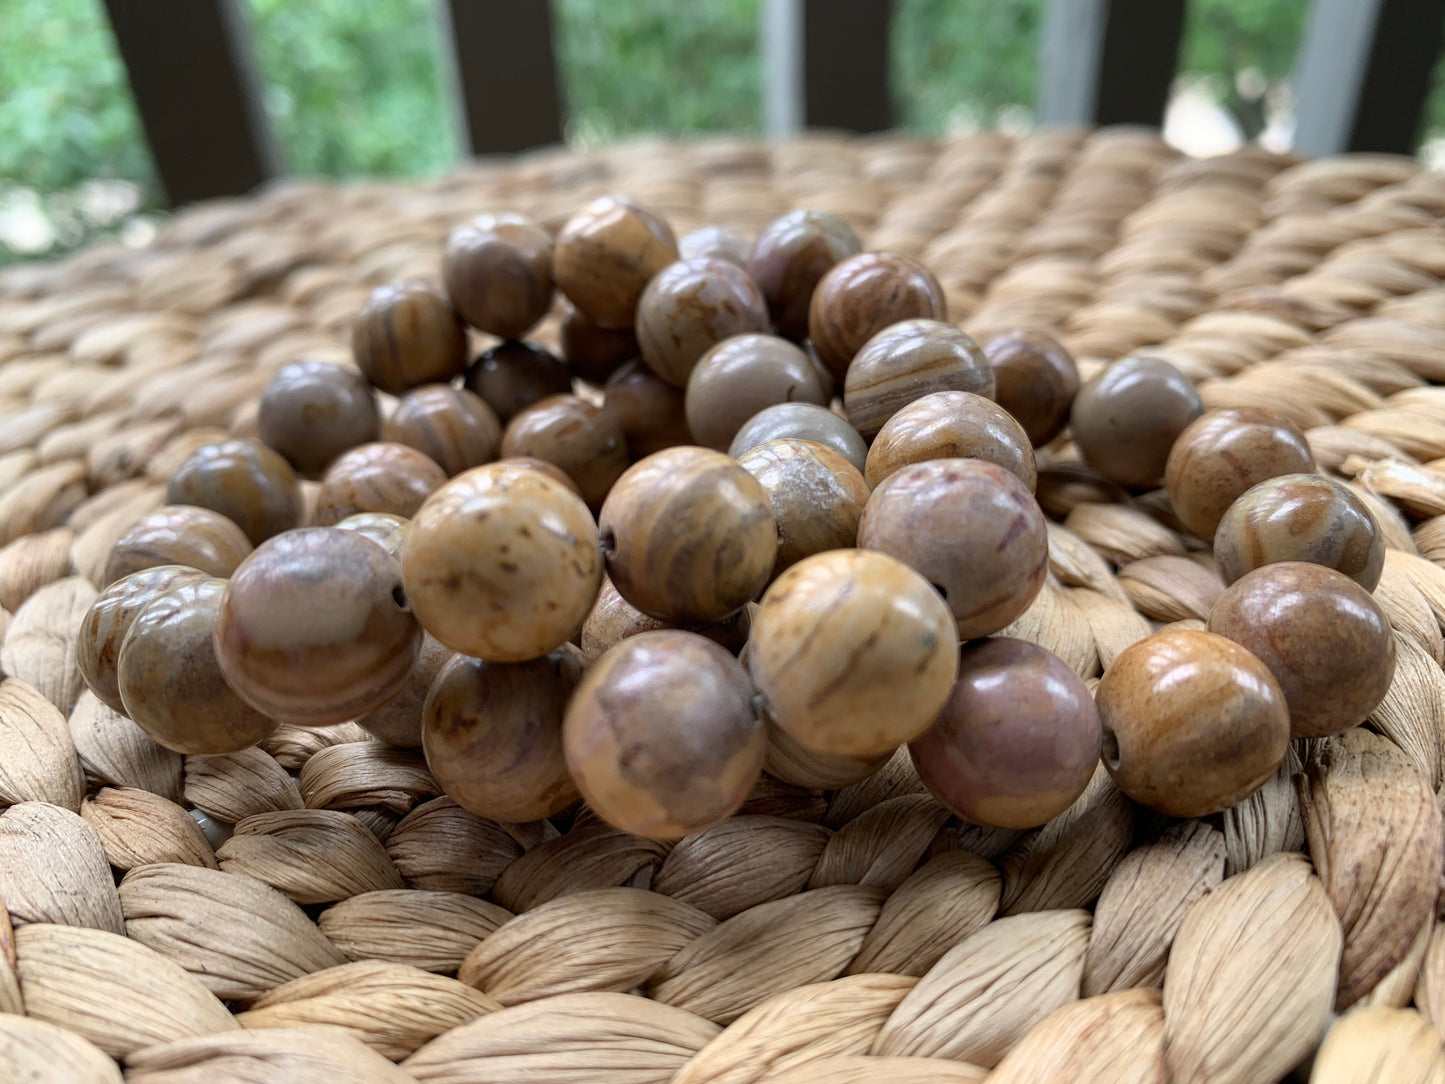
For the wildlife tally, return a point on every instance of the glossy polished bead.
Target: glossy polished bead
(864, 294)
(741, 376)
(1126, 418)
(662, 736)
(498, 272)
(691, 306)
(853, 652)
(651, 412)
(580, 439)
(613, 619)
(1322, 636)
(315, 629)
(906, 361)
(717, 242)
(1193, 723)
(378, 477)
(169, 680)
(386, 529)
(408, 334)
(593, 352)
(790, 256)
(398, 721)
(971, 529)
(493, 734)
(1035, 380)
(502, 563)
(1223, 454)
(245, 481)
(951, 425)
(605, 255)
(512, 376)
(1017, 741)
(312, 411)
(688, 535)
(816, 495)
(801, 421)
(450, 426)
(178, 534)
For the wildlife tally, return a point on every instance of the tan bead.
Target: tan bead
(816, 495)
(801, 421)
(613, 619)
(1127, 417)
(718, 242)
(386, 529)
(1325, 640)
(178, 534)
(408, 334)
(510, 377)
(493, 734)
(651, 412)
(853, 652)
(906, 361)
(662, 736)
(864, 294)
(498, 273)
(691, 306)
(688, 535)
(312, 411)
(1035, 380)
(605, 255)
(502, 563)
(450, 426)
(951, 425)
(739, 377)
(593, 352)
(790, 256)
(398, 722)
(1193, 723)
(169, 680)
(315, 629)
(1223, 454)
(245, 481)
(378, 477)
(582, 440)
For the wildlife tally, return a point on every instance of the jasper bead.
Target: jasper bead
(1193, 723)
(593, 352)
(801, 421)
(178, 534)
(864, 294)
(1223, 454)
(1017, 741)
(245, 481)
(398, 722)
(450, 426)
(613, 619)
(662, 736)
(408, 334)
(689, 307)
(739, 377)
(906, 361)
(1035, 380)
(493, 734)
(951, 425)
(1125, 419)
(790, 256)
(315, 629)
(170, 683)
(582, 440)
(377, 477)
(816, 495)
(853, 652)
(312, 411)
(502, 563)
(386, 529)
(651, 412)
(717, 242)
(1322, 636)
(512, 376)
(498, 273)
(688, 535)
(605, 255)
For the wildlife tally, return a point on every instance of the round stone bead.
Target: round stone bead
(853, 652)
(498, 273)
(801, 421)
(790, 256)
(245, 481)
(605, 255)
(1126, 418)
(378, 477)
(493, 734)
(582, 440)
(864, 294)
(178, 534)
(593, 352)
(502, 563)
(1035, 380)
(1193, 723)
(651, 412)
(613, 619)
(312, 411)
(689, 307)
(450, 426)
(512, 376)
(816, 495)
(315, 628)
(1322, 636)
(951, 425)
(662, 735)
(906, 361)
(714, 242)
(398, 722)
(1017, 741)
(386, 529)
(741, 376)
(408, 334)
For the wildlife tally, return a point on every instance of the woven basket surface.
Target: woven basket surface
(361, 926)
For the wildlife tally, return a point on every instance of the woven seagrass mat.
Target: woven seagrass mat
(360, 927)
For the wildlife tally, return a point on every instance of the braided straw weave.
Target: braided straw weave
(357, 926)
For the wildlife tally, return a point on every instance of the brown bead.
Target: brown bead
(662, 736)
(951, 425)
(853, 652)
(789, 258)
(739, 377)
(1225, 453)
(717, 242)
(398, 721)
(498, 273)
(178, 534)
(1126, 418)
(510, 377)
(650, 411)
(1322, 636)
(377, 477)
(584, 441)
(689, 307)
(594, 353)
(315, 629)
(906, 361)
(1193, 723)
(864, 294)
(451, 426)
(1017, 741)
(613, 619)
(493, 734)
(502, 563)
(312, 411)
(971, 529)
(169, 680)
(386, 529)
(1300, 517)
(816, 495)
(1035, 380)
(688, 535)
(245, 481)
(408, 334)
(801, 421)
(605, 255)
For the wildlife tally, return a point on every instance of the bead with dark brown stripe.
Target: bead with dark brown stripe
(788, 259)
(605, 255)
(864, 294)
(1035, 380)
(951, 425)
(816, 495)
(408, 334)
(580, 439)
(379, 477)
(689, 307)
(906, 361)
(451, 426)
(498, 273)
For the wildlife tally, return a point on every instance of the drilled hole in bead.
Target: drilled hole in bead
(1110, 751)
(942, 591)
(398, 596)
(608, 542)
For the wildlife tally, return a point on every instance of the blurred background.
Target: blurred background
(74, 163)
